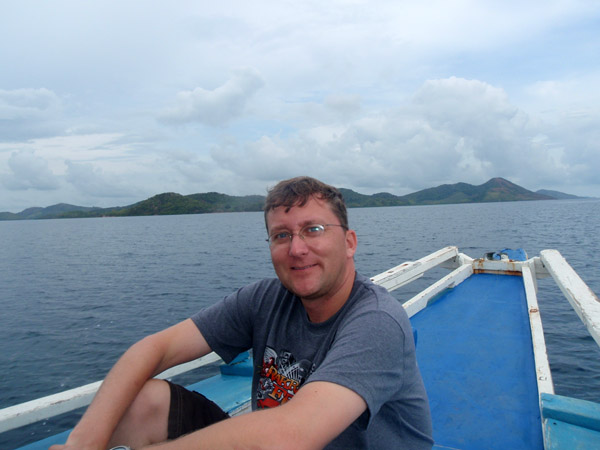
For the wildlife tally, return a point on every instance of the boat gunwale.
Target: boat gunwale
(549, 263)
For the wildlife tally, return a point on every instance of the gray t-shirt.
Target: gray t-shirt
(367, 346)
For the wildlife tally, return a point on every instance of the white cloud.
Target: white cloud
(557, 98)
(29, 171)
(93, 181)
(27, 113)
(336, 90)
(21, 103)
(452, 130)
(218, 106)
(346, 106)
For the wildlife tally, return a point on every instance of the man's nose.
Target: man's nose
(298, 246)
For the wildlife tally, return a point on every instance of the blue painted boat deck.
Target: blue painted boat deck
(475, 354)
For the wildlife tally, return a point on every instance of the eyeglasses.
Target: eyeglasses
(307, 233)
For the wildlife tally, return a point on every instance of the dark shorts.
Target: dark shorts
(190, 411)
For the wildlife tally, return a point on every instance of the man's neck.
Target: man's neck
(322, 309)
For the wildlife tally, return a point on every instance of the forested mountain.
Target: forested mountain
(495, 190)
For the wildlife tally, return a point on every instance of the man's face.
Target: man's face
(314, 268)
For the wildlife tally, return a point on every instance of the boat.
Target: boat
(480, 347)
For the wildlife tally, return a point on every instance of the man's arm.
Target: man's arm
(318, 413)
(150, 356)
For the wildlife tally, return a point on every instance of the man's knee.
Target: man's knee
(146, 420)
(153, 399)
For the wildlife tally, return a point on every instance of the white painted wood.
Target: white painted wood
(454, 263)
(531, 266)
(419, 301)
(42, 408)
(540, 355)
(540, 269)
(53, 405)
(186, 367)
(500, 266)
(580, 296)
(542, 366)
(411, 270)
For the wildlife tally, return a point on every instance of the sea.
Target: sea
(76, 293)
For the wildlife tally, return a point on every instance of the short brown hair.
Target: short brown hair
(297, 191)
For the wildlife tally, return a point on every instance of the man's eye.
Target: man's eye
(281, 236)
(312, 230)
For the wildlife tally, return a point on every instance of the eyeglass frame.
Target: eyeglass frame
(300, 235)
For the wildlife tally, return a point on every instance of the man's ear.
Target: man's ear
(351, 243)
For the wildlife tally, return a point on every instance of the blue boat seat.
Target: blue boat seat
(570, 423)
(233, 387)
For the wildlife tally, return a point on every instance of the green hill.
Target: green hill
(495, 190)
(557, 195)
(172, 203)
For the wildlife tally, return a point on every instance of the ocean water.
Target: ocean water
(74, 294)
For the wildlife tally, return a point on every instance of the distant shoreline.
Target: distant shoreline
(495, 190)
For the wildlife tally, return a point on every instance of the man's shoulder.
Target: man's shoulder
(365, 288)
(375, 298)
(266, 289)
(259, 285)
(265, 284)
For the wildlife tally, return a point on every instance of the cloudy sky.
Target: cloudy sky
(107, 103)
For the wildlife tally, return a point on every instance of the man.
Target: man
(333, 352)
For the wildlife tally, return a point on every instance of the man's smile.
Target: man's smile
(303, 267)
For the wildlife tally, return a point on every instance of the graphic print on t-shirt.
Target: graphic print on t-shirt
(281, 376)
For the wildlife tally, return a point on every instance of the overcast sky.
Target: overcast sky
(107, 103)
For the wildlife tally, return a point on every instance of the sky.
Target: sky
(108, 103)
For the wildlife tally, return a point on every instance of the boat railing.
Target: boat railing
(53, 405)
(549, 263)
(580, 296)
